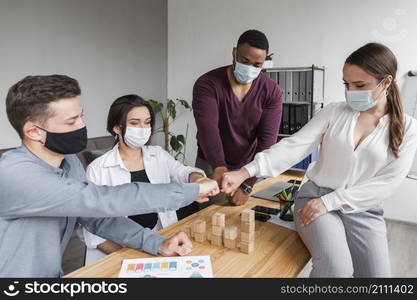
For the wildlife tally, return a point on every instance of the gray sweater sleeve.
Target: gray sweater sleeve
(125, 232)
(39, 192)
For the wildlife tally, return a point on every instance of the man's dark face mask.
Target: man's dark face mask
(71, 142)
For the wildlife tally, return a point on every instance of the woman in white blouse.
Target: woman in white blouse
(367, 146)
(131, 120)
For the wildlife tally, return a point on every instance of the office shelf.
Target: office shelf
(303, 97)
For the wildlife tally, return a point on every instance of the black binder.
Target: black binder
(285, 128)
(299, 114)
(292, 119)
(305, 114)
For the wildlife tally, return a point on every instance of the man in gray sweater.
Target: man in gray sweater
(44, 191)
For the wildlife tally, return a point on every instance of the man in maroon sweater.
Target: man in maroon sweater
(237, 110)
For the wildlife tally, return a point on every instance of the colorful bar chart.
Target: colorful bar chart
(191, 266)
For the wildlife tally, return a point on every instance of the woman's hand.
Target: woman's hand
(232, 180)
(208, 187)
(311, 211)
(195, 177)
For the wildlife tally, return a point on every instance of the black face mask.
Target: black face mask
(66, 142)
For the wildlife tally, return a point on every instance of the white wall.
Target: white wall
(112, 47)
(201, 35)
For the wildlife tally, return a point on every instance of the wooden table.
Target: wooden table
(279, 252)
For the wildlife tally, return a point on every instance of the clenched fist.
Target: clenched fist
(232, 180)
(208, 187)
(179, 244)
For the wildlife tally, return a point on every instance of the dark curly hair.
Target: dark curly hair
(254, 38)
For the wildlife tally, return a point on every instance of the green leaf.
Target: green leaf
(181, 139)
(176, 143)
(156, 106)
(172, 112)
(185, 104)
(173, 142)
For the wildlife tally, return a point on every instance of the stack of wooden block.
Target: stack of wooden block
(218, 223)
(227, 236)
(230, 236)
(247, 231)
(199, 230)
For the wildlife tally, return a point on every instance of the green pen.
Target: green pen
(290, 194)
(285, 209)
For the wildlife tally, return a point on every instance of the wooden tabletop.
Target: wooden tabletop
(279, 252)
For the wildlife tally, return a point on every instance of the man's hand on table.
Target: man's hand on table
(179, 244)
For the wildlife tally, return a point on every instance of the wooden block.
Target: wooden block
(199, 237)
(217, 240)
(247, 237)
(230, 243)
(208, 232)
(248, 215)
(199, 226)
(247, 247)
(247, 227)
(218, 219)
(217, 230)
(230, 232)
(251, 221)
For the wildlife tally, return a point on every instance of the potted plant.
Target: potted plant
(175, 144)
(268, 63)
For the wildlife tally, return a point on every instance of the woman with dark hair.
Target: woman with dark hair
(367, 146)
(131, 121)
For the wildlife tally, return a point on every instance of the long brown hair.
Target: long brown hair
(379, 61)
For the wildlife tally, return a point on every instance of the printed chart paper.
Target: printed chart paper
(171, 267)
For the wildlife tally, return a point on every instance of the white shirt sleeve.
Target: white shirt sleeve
(177, 171)
(91, 174)
(370, 193)
(291, 150)
(91, 240)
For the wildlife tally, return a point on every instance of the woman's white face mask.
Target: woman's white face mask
(136, 137)
(362, 100)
